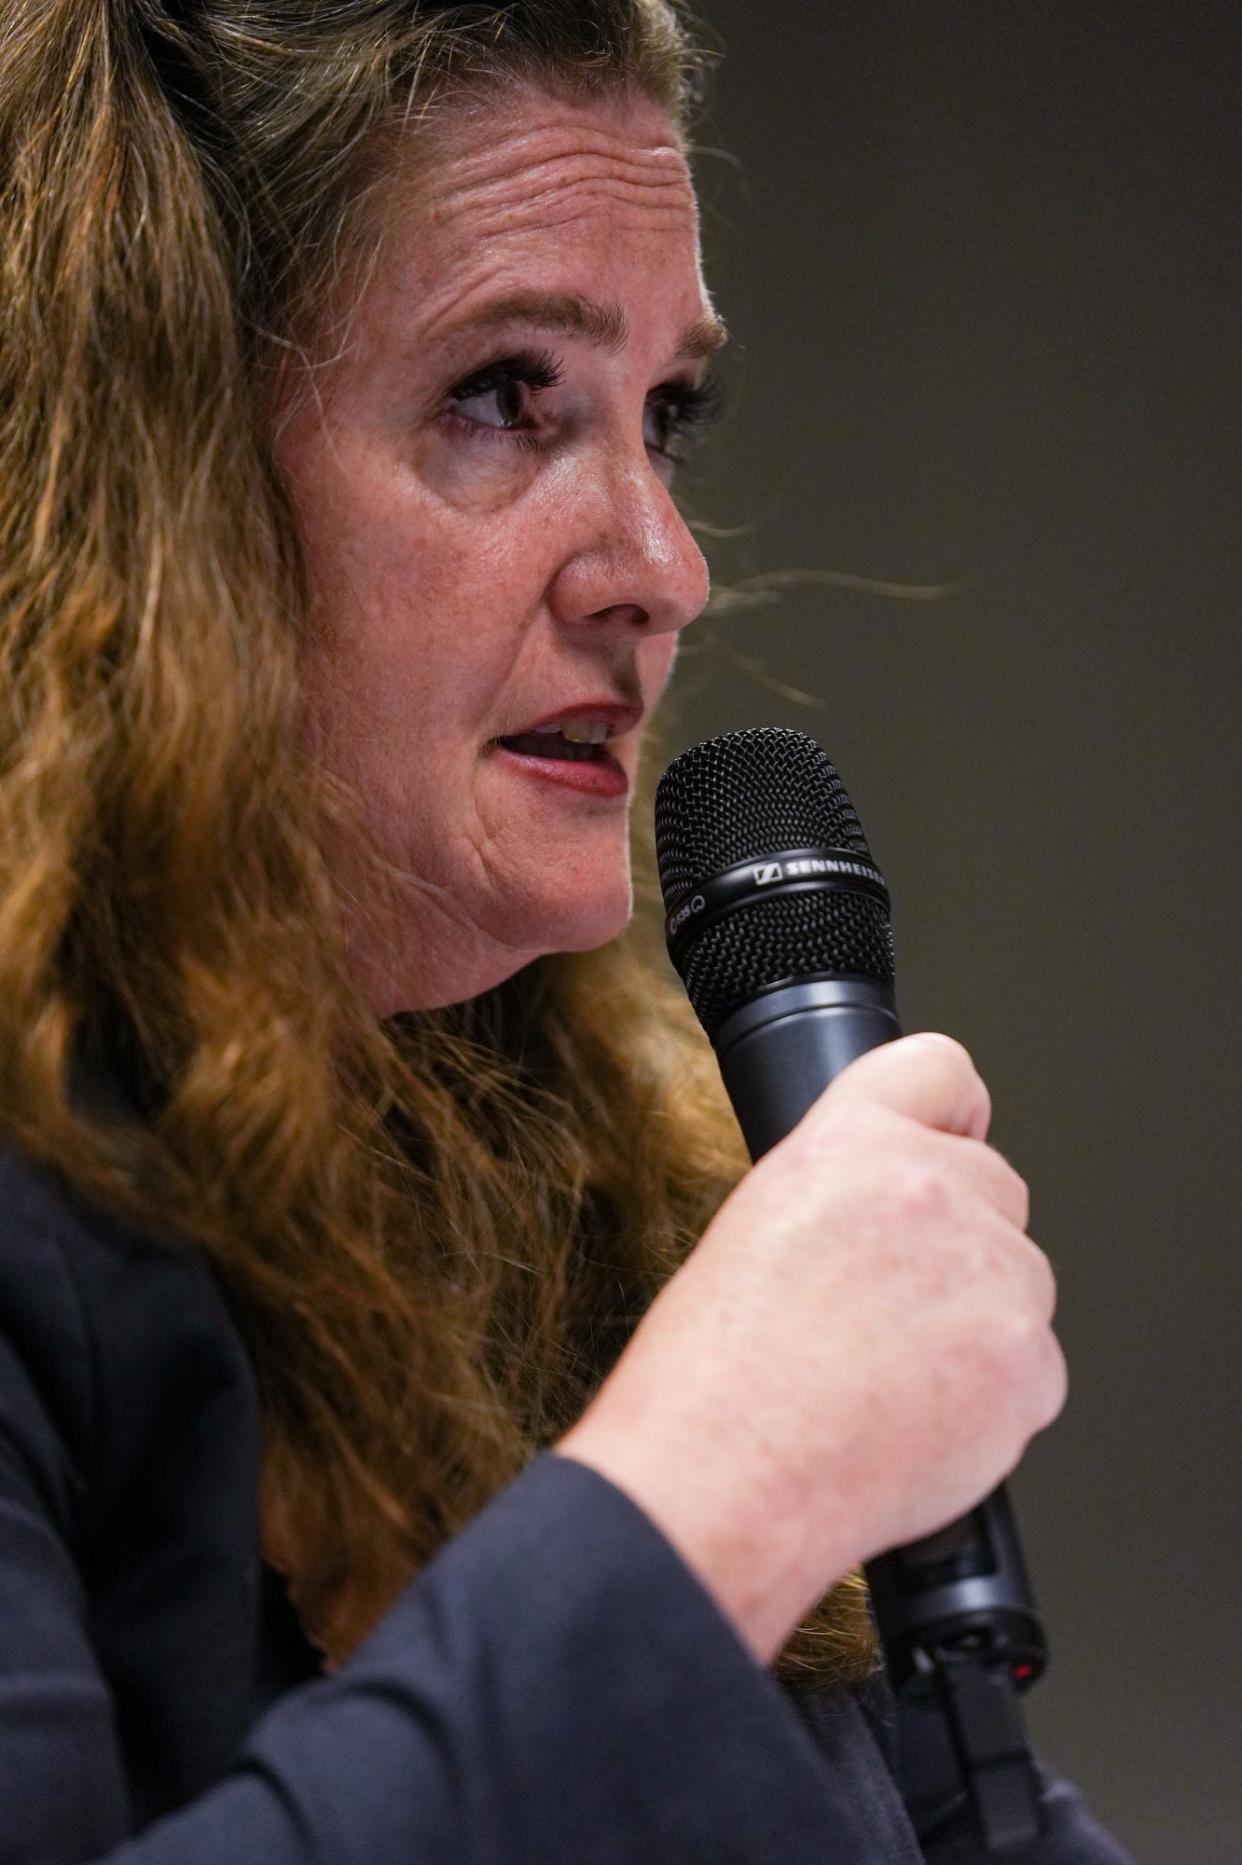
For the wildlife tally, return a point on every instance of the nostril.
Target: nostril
(622, 612)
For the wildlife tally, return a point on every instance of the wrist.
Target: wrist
(742, 1549)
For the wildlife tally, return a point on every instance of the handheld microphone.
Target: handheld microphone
(778, 926)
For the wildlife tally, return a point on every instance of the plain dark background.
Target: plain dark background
(982, 266)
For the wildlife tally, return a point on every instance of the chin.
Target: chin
(581, 924)
(572, 904)
(423, 974)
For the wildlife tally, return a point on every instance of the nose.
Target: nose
(632, 557)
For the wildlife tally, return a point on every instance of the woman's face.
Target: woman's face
(483, 489)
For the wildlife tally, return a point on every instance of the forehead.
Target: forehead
(599, 184)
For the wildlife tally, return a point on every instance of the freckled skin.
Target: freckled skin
(468, 585)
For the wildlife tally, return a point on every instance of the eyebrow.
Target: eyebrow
(603, 325)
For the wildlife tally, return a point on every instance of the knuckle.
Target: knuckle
(854, 1126)
(1027, 1361)
(862, 1115)
(1056, 1378)
(1017, 1193)
(919, 1190)
(1045, 1282)
(1006, 1188)
(1016, 1348)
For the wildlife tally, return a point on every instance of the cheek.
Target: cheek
(456, 564)
(472, 477)
(415, 625)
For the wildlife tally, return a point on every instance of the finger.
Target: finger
(1044, 1281)
(1004, 1188)
(929, 1077)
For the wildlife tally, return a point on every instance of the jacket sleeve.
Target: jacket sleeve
(555, 1685)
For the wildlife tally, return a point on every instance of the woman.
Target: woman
(347, 1511)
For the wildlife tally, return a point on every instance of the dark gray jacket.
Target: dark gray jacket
(555, 1686)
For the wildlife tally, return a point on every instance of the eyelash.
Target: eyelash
(691, 407)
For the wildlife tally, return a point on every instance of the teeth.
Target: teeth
(573, 731)
(584, 731)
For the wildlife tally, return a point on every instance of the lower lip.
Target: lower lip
(602, 778)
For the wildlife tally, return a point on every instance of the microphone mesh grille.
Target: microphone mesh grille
(746, 796)
(796, 936)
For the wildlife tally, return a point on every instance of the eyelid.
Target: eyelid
(708, 389)
(538, 369)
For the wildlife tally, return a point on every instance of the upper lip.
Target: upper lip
(618, 716)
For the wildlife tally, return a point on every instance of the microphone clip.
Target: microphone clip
(980, 1708)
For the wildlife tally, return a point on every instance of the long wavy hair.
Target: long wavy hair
(436, 1232)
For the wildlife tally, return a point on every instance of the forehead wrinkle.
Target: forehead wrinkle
(482, 206)
(551, 199)
(549, 144)
(623, 218)
(543, 165)
(480, 251)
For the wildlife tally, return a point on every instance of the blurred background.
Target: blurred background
(982, 265)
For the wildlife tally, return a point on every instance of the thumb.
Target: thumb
(928, 1077)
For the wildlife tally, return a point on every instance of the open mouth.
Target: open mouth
(552, 745)
(573, 748)
(573, 756)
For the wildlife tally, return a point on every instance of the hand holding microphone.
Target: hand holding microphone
(856, 1353)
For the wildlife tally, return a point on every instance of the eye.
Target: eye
(499, 402)
(499, 398)
(679, 413)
